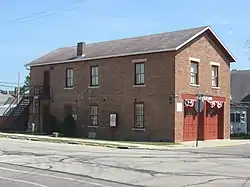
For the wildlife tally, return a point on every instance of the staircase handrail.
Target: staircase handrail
(21, 92)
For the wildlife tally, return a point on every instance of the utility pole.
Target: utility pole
(198, 107)
(18, 87)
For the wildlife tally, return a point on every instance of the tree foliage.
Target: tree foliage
(26, 84)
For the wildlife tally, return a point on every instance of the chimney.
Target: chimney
(80, 48)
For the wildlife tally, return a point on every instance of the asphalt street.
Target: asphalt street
(30, 164)
(19, 176)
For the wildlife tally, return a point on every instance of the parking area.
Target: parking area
(27, 163)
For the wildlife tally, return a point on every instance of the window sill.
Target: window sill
(68, 88)
(214, 87)
(93, 86)
(93, 126)
(138, 129)
(139, 85)
(194, 85)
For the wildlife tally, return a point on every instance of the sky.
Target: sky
(30, 29)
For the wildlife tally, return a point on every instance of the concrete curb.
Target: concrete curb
(63, 141)
(100, 143)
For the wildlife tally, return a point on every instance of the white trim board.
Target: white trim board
(194, 59)
(214, 64)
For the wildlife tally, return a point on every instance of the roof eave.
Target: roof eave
(97, 58)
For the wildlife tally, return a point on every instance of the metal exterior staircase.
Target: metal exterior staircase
(13, 117)
(21, 106)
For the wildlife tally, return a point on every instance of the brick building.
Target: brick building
(149, 82)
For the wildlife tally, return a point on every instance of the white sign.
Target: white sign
(112, 120)
(74, 116)
(179, 107)
(207, 98)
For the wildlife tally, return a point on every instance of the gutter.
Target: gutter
(100, 57)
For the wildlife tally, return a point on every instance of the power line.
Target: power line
(26, 17)
(7, 86)
(2, 82)
(43, 14)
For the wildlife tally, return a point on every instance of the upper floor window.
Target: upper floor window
(69, 77)
(94, 76)
(215, 77)
(93, 115)
(139, 115)
(194, 73)
(139, 73)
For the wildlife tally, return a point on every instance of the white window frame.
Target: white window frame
(94, 115)
(139, 118)
(139, 75)
(94, 76)
(197, 61)
(69, 78)
(215, 64)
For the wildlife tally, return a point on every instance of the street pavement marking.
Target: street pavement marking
(13, 160)
(23, 181)
(53, 176)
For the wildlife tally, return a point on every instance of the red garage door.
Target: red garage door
(190, 124)
(211, 123)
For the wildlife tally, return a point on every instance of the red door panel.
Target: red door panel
(190, 124)
(211, 123)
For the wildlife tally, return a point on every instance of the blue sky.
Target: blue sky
(31, 28)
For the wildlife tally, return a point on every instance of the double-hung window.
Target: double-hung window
(94, 76)
(94, 115)
(139, 73)
(194, 73)
(69, 78)
(139, 115)
(215, 76)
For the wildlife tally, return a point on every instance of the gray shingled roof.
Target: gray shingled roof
(156, 42)
(240, 84)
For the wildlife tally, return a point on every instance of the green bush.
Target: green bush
(69, 126)
(50, 124)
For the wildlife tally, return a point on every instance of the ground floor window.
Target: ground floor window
(235, 117)
(94, 115)
(139, 115)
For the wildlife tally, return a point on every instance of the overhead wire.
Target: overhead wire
(7, 86)
(43, 14)
(11, 83)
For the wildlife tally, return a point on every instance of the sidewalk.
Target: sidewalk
(125, 145)
(217, 143)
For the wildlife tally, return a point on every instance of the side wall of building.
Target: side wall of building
(116, 93)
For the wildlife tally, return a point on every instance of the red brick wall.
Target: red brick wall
(166, 74)
(205, 49)
(117, 93)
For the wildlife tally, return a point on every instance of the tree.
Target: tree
(26, 84)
